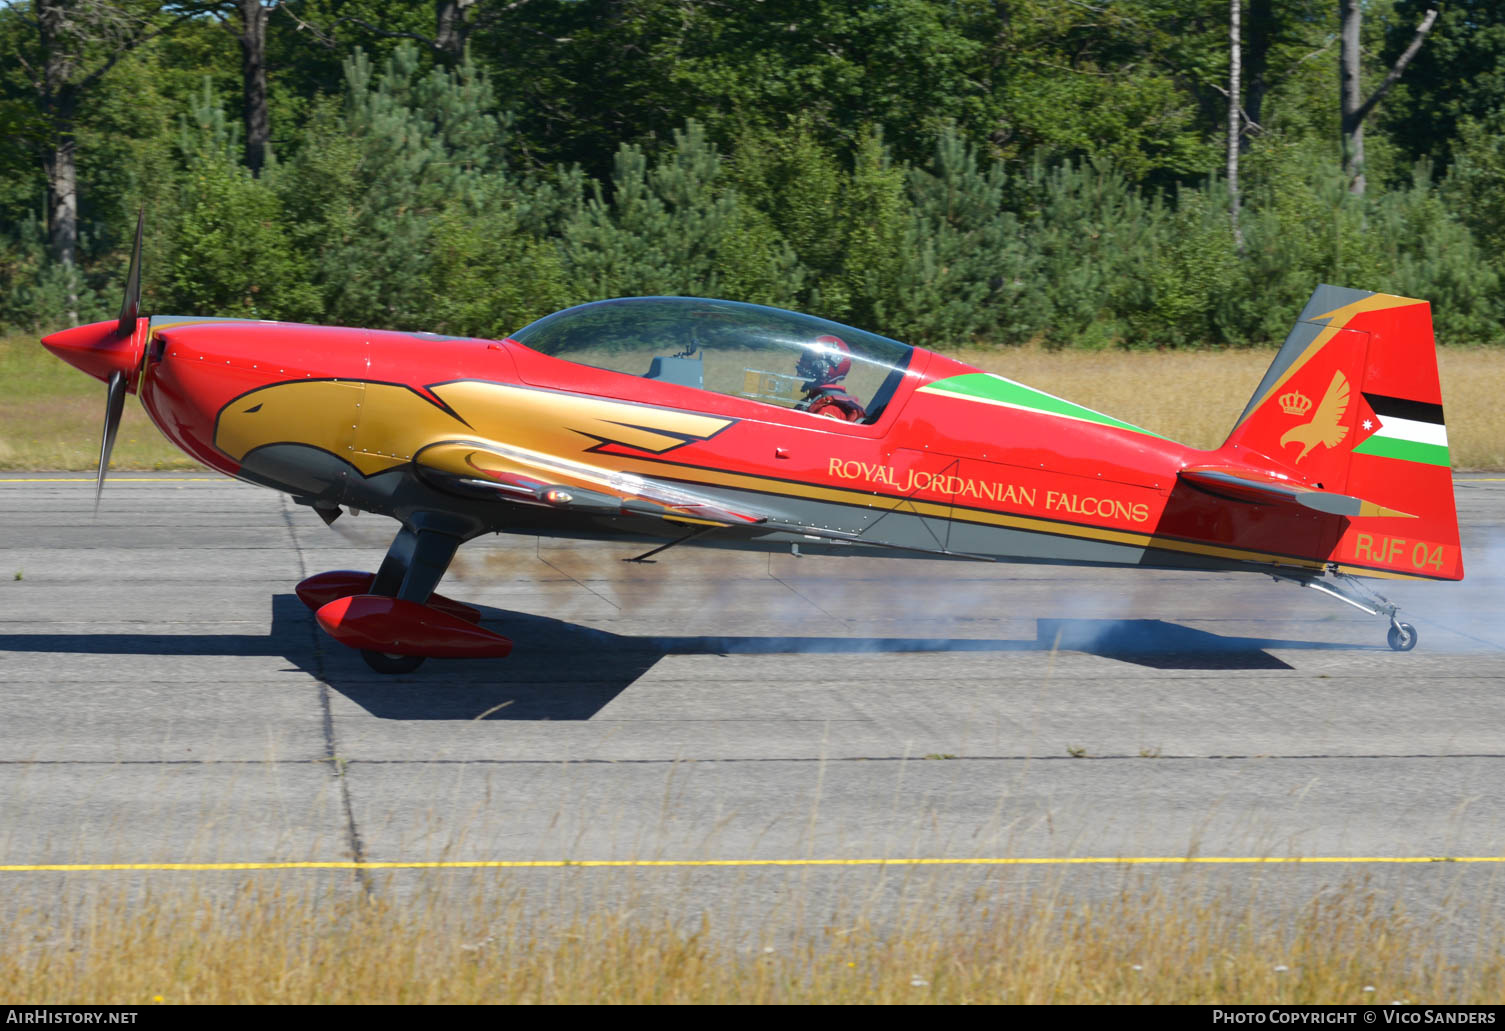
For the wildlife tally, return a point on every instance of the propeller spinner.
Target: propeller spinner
(109, 351)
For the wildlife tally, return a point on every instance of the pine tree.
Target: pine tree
(680, 227)
(876, 218)
(372, 181)
(1093, 233)
(800, 185)
(229, 253)
(963, 265)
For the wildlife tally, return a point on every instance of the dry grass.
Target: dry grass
(52, 414)
(63, 433)
(266, 946)
(1195, 396)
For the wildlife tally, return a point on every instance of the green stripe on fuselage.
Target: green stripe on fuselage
(1405, 450)
(984, 386)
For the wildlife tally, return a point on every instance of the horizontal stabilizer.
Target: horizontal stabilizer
(1263, 488)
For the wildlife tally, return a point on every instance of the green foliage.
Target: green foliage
(1475, 185)
(1124, 83)
(680, 227)
(1433, 256)
(230, 252)
(1193, 264)
(952, 174)
(600, 73)
(963, 265)
(1458, 75)
(876, 217)
(1091, 232)
(370, 181)
(799, 184)
(35, 290)
(904, 65)
(488, 276)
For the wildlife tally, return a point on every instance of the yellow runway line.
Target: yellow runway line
(533, 864)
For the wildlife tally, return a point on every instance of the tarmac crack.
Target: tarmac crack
(337, 763)
(538, 553)
(817, 606)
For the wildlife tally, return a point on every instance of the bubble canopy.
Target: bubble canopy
(745, 350)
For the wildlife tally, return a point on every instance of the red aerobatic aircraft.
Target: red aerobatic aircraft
(677, 419)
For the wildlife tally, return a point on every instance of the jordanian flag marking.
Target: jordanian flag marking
(1412, 431)
(997, 390)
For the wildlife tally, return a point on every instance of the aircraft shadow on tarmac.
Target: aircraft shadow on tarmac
(564, 671)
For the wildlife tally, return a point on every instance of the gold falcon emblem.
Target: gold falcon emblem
(1324, 427)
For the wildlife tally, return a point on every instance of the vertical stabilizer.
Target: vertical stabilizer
(1352, 405)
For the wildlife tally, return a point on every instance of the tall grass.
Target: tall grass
(1195, 396)
(279, 944)
(51, 416)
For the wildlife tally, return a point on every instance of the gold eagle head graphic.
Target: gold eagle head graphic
(1325, 426)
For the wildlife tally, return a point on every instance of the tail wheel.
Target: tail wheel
(385, 662)
(1402, 636)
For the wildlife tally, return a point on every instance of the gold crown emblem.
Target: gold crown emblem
(1295, 403)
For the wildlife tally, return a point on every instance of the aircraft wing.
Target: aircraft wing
(1262, 488)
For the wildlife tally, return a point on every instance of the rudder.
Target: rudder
(1352, 404)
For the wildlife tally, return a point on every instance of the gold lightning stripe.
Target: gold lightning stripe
(376, 426)
(509, 413)
(1383, 574)
(1338, 319)
(639, 864)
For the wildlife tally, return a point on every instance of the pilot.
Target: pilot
(822, 367)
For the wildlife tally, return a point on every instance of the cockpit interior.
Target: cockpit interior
(763, 354)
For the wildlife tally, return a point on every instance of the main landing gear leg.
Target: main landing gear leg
(415, 563)
(393, 568)
(1350, 590)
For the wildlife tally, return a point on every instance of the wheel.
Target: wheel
(384, 662)
(1402, 636)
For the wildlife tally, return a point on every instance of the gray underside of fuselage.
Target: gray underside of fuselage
(891, 527)
(887, 527)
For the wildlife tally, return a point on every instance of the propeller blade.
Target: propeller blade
(114, 408)
(130, 307)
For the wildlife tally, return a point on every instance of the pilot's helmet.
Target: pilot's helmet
(825, 361)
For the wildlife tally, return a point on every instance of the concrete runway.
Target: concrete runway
(167, 700)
